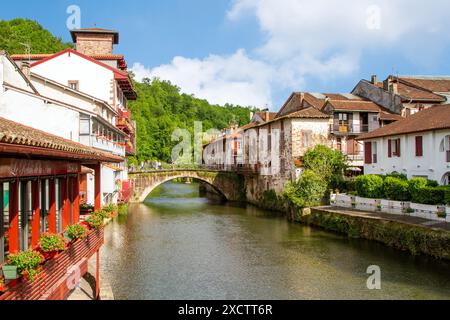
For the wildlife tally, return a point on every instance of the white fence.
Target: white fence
(430, 212)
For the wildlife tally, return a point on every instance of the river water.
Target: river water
(179, 245)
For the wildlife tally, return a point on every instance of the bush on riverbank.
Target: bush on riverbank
(397, 188)
(308, 191)
(415, 239)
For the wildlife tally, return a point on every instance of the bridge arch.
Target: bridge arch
(230, 185)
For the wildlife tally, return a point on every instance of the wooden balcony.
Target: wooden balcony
(54, 281)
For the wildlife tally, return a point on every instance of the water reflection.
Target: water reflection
(181, 246)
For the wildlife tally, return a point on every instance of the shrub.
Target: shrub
(414, 186)
(308, 191)
(429, 195)
(350, 186)
(123, 209)
(27, 263)
(76, 231)
(397, 175)
(432, 183)
(102, 213)
(50, 242)
(396, 189)
(95, 221)
(369, 186)
(326, 163)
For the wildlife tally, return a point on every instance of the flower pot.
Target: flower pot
(69, 238)
(10, 272)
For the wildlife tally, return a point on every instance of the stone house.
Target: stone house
(405, 95)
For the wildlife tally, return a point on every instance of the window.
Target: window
(419, 146)
(4, 220)
(45, 204)
(59, 205)
(370, 152)
(85, 126)
(25, 214)
(74, 84)
(394, 148)
(307, 139)
(374, 152)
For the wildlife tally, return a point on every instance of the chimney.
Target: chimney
(95, 41)
(394, 87)
(374, 79)
(267, 114)
(25, 68)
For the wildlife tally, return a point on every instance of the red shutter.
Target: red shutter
(419, 146)
(389, 148)
(368, 152)
(398, 148)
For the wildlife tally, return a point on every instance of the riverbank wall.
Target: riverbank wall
(403, 235)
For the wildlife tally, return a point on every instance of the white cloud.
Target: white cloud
(321, 39)
(219, 79)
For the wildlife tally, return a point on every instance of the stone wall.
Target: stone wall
(95, 44)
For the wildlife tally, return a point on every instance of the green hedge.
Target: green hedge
(369, 186)
(396, 189)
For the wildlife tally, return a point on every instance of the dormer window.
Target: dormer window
(74, 85)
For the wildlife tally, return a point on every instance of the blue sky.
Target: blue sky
(258, 51)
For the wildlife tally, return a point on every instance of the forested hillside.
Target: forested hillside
(16, 34)
(161, 108)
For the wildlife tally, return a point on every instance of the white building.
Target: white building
(418, 146)
(96, 81)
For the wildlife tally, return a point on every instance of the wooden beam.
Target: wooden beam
(98, 187)
(13, 231)
(36, 221)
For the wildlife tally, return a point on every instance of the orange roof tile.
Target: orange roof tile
(434, 118)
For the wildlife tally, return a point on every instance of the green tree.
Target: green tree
(17, 32)
(308, 191)
(328, 164)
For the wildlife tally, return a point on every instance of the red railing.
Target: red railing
(55, 278)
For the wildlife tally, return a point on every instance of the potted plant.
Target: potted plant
(50, 244)
(95, 221)
(86, 209)
(75, 232)
(10, 272)
(3, 287)
(104, 214)
(27, 263)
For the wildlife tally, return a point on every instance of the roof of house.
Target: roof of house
(262, 115)
(307, 113)
(354, 105)
(97, 31)
(434, 118)
(13, 133)
(431, 83)
(121, 76)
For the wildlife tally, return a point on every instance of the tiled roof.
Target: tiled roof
(262, 115)
(14, 133)
(434, 84)
(434, 118)
(95, 30)
(388, 116)
(308, 113)
(40, 56)
(413, 93)
(354, 105)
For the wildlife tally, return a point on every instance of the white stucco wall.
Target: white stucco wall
(94, 79)
(432, 164)
(34, 112)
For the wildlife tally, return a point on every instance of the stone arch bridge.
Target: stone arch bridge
(231, 185)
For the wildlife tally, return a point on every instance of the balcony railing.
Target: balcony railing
(53, 283)
(338, 128)
(356, 156)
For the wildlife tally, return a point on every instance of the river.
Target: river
(179, 245)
